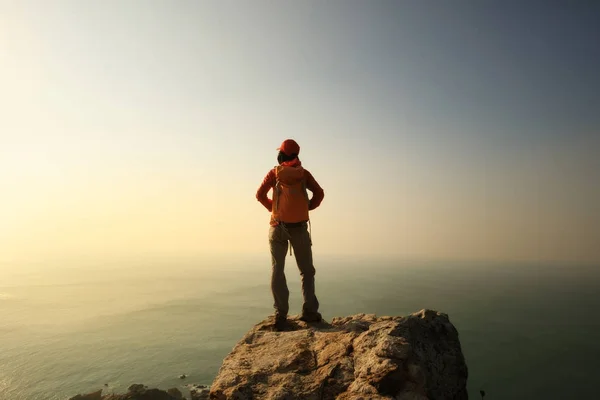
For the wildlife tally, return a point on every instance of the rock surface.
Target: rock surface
(417, 357)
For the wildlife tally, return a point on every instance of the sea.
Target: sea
(527, 330)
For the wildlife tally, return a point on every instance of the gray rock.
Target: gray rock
(417, 357)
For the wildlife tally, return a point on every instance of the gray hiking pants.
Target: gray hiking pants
(299, 238)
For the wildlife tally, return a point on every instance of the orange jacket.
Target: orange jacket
(269, 181)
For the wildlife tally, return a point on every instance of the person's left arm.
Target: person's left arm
(266, 185)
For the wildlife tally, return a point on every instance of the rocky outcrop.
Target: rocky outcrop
(361, 357)
(417, 357)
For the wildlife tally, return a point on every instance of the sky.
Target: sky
(440, 130)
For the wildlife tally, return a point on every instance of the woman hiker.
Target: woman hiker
(289, 225)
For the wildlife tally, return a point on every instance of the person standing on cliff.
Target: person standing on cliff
(289, 226)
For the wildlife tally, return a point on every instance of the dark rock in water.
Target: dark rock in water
(136, 392)
(148, 394)
(175, 393)
(417, 357)
(90, 396)
(196, 386)
(199, 392)
(182, 376)
(137, 388)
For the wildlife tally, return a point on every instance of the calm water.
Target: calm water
(528, 332)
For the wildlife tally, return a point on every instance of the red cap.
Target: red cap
(289, 147)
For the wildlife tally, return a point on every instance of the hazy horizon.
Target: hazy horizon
(459, 131)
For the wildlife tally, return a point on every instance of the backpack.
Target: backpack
(290, 197)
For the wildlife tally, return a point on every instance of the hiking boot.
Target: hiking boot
(311, 317)
(280, 323)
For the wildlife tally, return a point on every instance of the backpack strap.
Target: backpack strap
(276, 188)
(287, 233)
